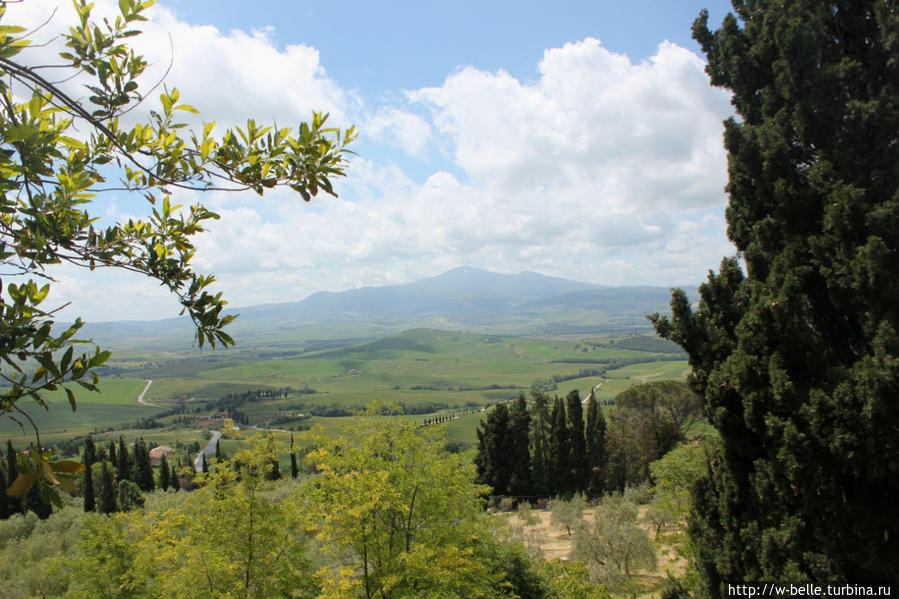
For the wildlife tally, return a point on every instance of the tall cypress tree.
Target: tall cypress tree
(123, 466)
(14, 503)
(519, 433)
(107, 490)
(164, 474)
(579, 460)
(294, 470)
(561, 470)
(4, 498)
(113, 457)
(493, 458)
(540, 437)
(796, 359)
(35, 502)
(89, 457)
(595, 437)
(143, 470)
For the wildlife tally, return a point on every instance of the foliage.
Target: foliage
(398, 515)
(494, 459)
(570, 580)
(567, 512)
(596, 450)
(796, 360)
(650, 420)
(55, 156)
(612, 545)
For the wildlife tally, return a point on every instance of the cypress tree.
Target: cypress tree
(124, 464)
(540, 435)
(493, 459)
(579, 460)
(143, 470)
(294, 470)
(107, 490)
(560, 451)
(796, 360)
(218, 451)
(113, 458)
(90, 455)
(35, 502)
(4, 498)
(90, 451)
(164, 474)
(519, 433)
(595, 437)
(15, 503)
(204, 466)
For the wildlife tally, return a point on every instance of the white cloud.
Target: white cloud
(600, 170)
(407, 131)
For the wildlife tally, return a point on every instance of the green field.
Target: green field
(422, 369)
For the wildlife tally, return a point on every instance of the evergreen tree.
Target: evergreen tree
(123, 466)
(595, 437)
(90, 501)
(560, 451)
(107, 490)
(796, 360)
(218, 451)
(579, 459)
(519, 433)
(14, 503)
(164, 474)
(113, 457)
(35, 502)
(493, 459)
(294, 470)
(204, 466)
(540, 435)
(143, 470)
(4, 498)
(90, 451)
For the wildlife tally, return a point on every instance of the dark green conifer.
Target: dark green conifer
(798, 360)
(124, 464)
(35, 502)
(15, 503)
(294, 470)
(113, 458)
(143, 470)
(493, 459)
(575, 414)
(560, 451)
(107, 489)
(540, 436)
(519, 431)
(164, 474)
(4, 498)
(90, 501)
(595, 437)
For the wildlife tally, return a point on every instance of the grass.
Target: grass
(421, 366)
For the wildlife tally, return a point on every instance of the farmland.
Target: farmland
(426, 371)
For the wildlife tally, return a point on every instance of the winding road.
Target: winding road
(140, 398)
(209, 451)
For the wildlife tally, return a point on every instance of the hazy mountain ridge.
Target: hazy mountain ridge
(463, 298)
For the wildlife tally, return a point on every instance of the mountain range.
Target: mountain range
(464, 298)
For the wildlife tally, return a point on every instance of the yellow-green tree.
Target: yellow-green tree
(231, 538)
(398, 516)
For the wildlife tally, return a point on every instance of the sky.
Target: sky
(579, 140)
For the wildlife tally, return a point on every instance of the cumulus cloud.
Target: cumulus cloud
(407, 131)
(601, 169)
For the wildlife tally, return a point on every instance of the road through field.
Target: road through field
(140, 398)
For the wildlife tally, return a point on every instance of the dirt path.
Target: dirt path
(140, 398)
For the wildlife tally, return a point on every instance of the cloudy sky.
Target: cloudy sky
(578, 139)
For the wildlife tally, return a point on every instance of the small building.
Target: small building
(157, 453)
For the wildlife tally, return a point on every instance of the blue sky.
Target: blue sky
(578, 139)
